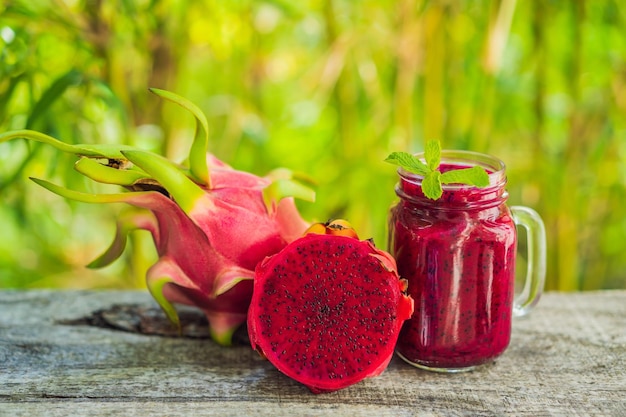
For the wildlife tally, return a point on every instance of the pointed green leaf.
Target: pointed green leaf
(197, 155)
(279, 189)
(43, 138)
(114, 251)
(471, 176)
(230, 277)
(408, 162)
(287, 174)
(432, 154)
(185, 192)
(102, 151)
(222, 326)
(107, 175)
(155, 287)
(222, 337)
(280, 174)
(86, 197)
(125, 225)
(431, 185)
(232, 283)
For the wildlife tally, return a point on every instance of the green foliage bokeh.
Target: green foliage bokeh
(325, 87)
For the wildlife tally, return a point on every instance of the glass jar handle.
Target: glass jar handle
(530, 220)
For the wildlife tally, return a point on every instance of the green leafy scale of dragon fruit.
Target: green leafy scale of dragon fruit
(211, 224)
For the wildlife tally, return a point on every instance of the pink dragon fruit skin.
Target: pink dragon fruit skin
(209, 261)
(238, 222)
(211, 224)
(207, 253)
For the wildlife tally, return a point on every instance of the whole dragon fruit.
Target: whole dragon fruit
(328, 308)
(211, 224)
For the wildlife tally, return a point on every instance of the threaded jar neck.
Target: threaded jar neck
(458, 196)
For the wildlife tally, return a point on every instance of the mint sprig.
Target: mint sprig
(433, 178)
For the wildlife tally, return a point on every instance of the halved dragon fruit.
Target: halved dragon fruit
(211, 224)
(328, 308)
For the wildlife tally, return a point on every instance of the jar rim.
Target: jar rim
(495, 167)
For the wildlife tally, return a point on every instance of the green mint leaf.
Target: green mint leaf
(432, 154)
(433, 178)
(431, 185)
(408, 162)
(471, 176)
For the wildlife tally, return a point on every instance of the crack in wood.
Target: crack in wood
(147, 320)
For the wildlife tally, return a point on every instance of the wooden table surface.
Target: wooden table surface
(72, 353)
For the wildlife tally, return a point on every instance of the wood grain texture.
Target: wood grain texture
(567, 358)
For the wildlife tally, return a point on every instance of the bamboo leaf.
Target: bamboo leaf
(56, 90)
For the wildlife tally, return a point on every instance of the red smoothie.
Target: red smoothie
(458, 255)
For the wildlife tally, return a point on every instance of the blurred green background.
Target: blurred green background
(326, 87)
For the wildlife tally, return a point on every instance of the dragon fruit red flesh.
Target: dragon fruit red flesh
(328, 308)
(211, 224)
